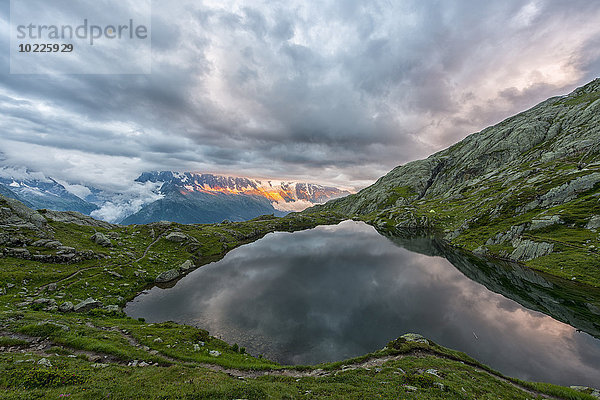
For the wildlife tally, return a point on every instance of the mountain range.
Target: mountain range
(185, 197)
(204, 198)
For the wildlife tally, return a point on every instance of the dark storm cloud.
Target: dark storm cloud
(339, 91)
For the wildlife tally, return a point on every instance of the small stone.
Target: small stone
(196, 347)
(66, 306)
(158, 340)
(44, 362)
(51, 287)
(433, 372)
(214, 353)
(410, 388)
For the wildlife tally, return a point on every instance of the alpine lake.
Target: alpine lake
(336, 292)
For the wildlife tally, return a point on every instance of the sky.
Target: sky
(333, 92)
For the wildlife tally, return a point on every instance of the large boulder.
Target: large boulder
(176, 237)
(101, 239)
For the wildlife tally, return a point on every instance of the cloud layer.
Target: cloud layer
(336, 92)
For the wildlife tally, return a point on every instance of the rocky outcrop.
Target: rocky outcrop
(509, 236)
(15, 214)
(526, 250)
(565, 192)
(73, 217)
(544, 222)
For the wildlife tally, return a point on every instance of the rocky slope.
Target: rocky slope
(526, 189)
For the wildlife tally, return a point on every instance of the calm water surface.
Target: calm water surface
(335, 292)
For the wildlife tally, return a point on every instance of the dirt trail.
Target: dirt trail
(41, 288)
(150, 245)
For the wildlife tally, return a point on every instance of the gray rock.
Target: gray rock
(51, 287)
(433, 372)
(44, 362)
(508, 236)
(414, 337)
(214, 353)
(73, 217)
(594, 222)
(168, 276)
(53, 244)
(528, 250)
(112, 308)
(17, 252)
(481, 250)
(187, 265)
(66, 249)
(177, 237)
(43, 300)
(16, 214)
(87, 305)
(544, 222)
(101, 239)
(67, 306)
